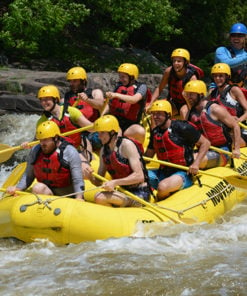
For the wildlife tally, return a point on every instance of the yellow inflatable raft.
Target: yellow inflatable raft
(64, 220)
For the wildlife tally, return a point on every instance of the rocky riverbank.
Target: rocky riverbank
(19, 87)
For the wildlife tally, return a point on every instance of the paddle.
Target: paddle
(242, 125)
(15, 175)
(6, 153)
(148, 204)
(222, 151)
(235, 180)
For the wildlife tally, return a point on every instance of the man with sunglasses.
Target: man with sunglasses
(235, 55)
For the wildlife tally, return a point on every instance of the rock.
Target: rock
(19, 87)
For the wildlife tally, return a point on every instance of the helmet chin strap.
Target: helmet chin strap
(111, 134)
(54, 105)
(168, 116)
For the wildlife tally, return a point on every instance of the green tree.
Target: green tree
(38, 27)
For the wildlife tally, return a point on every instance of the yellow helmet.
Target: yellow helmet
(196, 86)
(221, 68)
(161, 105)
(181, 52)
(49, 91)
(76, 73)
(106, 123)
(129, 69)
(47, 129)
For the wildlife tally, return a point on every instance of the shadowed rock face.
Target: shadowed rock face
(18, 87)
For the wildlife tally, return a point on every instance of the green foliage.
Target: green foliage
(31, 25)
(118, 19)
(85, 32)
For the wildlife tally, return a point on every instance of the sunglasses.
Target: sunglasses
(237, 35)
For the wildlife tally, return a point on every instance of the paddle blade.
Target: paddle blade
(15, 175)
(5, 152)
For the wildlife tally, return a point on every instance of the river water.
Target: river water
(176, 260)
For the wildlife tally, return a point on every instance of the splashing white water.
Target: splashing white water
(14, 130)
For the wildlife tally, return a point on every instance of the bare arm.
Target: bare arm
(72, 157)
(128, 99)
(238, 95)
(203, 145)
(162, 85)
(96, 102)
(221, 114)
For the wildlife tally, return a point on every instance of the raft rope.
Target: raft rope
(50, 200)
(202, 203)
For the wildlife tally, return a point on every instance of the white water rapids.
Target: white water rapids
(175, 260)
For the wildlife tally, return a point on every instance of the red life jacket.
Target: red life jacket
(215, 131)
(118, 166)
(195, 118)
(166, 149)
(120, 108)
(244, 90)
(66, 125)
(51, 169)
(86, 109)
(234, 110)
(176, 85)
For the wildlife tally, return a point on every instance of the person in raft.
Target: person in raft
(176, 76)
(235, 55)
(89, 101)
(173, 141)
(214, 122)
(121, 158)
(55, 163)
(229, 96)
(127, 102)
(68, 119)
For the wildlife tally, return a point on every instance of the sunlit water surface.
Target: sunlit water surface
(160, 260)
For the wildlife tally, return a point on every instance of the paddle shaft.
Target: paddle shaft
(242, 125)
(222, 151)
(16, 148)
(185, 168)
(138, 199)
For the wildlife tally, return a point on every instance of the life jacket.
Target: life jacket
(194, 118)
(244, 90)
(216, 132)
(52, 169)
(86, 109)
(118, 166)
(122, 109)
(234, 109)
(148, 96)
(66, 125)
(238, 73)
(166, 149)
(176, 85)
